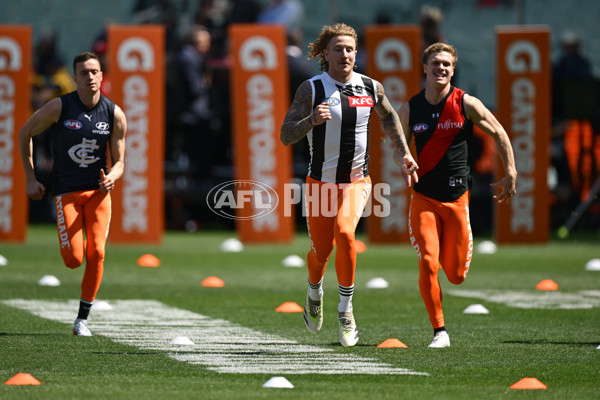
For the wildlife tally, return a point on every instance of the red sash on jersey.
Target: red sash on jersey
(449, 125)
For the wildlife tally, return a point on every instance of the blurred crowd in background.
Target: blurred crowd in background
(198, 146)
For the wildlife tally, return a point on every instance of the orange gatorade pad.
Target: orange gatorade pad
(289, 307)
(22, 379)
(529, 383)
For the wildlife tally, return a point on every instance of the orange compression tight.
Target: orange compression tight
(332, 214)
(88, 210)
(441, 234)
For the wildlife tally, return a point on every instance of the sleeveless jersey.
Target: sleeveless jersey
(443, 136)
(339, 148)
(79, 143)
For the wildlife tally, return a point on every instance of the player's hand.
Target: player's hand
(320, 114)
(106, 183)
(35, 190)
(505, 190)
(409, 168)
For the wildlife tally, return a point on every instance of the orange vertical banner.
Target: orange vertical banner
(260, 99)
(15, 108)
(524, 104)
(136, 57)
(394, 59)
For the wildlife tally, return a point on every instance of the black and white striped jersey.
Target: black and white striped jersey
(339, 148)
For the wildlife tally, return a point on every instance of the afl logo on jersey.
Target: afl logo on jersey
(331, 101)
(420, 127)
(73, 124)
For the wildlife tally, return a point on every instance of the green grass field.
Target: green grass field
(489, 352)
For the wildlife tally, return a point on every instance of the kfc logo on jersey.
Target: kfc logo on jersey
(361, 101)
(420, 127)
(73, 124)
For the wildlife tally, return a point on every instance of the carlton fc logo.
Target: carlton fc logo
(420, 127)
(83, 153)
(73, 124)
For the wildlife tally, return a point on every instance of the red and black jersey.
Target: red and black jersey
(443, 136)
(79, 143)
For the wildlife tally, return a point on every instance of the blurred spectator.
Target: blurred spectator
(99, 47)
(289, 13)
(51, 78)
(575, 145)
(243, 12)
(431, 20)
(188, 99)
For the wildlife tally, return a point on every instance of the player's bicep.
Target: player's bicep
(43, 118)
(117, 138)
(301, 105)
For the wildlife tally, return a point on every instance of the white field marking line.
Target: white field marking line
(220, 345)
(541, 299)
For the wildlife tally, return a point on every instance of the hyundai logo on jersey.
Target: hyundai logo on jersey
(102, 126)
(331, 101)
(73, 124)
(420, 127)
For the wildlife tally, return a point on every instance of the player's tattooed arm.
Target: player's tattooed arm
(299, 119)
(390, 122)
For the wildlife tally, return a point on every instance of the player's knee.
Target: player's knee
(71, 260)
(456, 279)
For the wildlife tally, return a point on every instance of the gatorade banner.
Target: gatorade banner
(136, 57)
(394, 59)
(524, 106)
(15, 109)
(260, 100)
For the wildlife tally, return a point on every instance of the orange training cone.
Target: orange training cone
(360, 246)
(390, 343)
(529, 383)
(22, 379)
(213, 281)
(289, 306)
(148, 260)
(547, 284)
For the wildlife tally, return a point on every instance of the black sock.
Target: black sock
(443, 328)
(84, 309)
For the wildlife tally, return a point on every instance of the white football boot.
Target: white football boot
(440, 340)
(313, 314)
(348, 330)
(80, 328)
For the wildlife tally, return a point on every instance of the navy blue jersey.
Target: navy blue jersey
(443, 136)
(79, 143)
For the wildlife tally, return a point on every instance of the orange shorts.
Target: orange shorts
(332, 214)
(88, 210)
(441, 234)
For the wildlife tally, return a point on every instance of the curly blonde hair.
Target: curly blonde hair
(315, 49)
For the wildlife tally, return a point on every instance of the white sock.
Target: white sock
(315, 290)
(346, 293)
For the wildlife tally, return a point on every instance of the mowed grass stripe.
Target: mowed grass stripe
(220, 345)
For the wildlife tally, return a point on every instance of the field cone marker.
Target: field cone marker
(148, 260)
(278, 382)
(547, 284)
(289, 306)
(529, 383)
(213, 281)
(22, 378)
(391, 343)
(360, 246)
